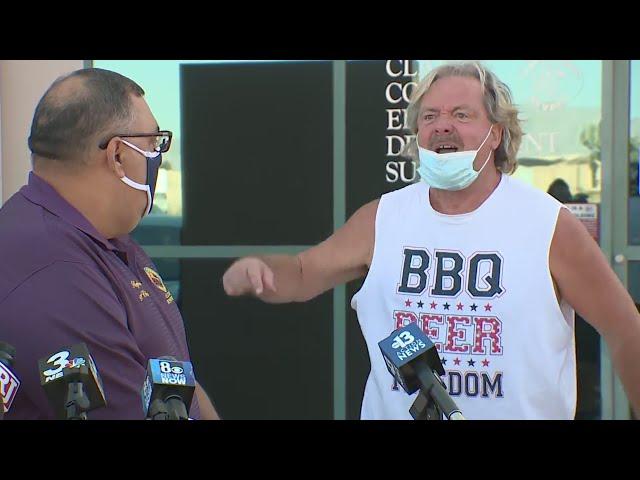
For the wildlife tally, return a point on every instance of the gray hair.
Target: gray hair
(498, 103)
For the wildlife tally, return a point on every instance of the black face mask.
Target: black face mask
(153, 166)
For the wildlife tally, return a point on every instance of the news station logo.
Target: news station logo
(172, 373)
(147, 388)
(76, 363)
(399, 348)
(406, 345)
(61, 361)
(96, 375)
(9, 384)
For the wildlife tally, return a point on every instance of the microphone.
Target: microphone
(424, 408)
(9, 383)
(71, 382)
(414, 362)
(168, 389)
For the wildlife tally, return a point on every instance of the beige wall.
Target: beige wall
(22, 83)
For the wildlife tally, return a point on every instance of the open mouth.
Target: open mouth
(446, 148)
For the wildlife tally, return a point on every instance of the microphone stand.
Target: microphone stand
(172, 408)
(424, 408)
(158, 410)
(77, 402)
(177, 409)
(432, 406)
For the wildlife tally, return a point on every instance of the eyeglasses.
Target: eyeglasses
(161, 145)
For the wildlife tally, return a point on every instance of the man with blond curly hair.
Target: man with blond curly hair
(495, 290)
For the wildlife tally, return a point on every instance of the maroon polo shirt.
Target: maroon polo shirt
(62, 283)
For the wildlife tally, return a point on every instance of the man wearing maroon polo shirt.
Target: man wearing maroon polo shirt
(69, 272)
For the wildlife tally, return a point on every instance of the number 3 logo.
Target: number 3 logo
(399, 343)
(59, 359)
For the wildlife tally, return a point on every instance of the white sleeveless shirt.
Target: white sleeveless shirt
(480, 287)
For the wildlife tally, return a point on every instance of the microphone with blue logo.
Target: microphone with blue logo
(414, 362)
(9, 383)
(71, 382)
(168, 389)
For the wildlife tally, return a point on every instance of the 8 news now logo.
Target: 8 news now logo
(172, 373)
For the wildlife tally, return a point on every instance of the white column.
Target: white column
(22, 84)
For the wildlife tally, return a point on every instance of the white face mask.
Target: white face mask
(450, 171)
